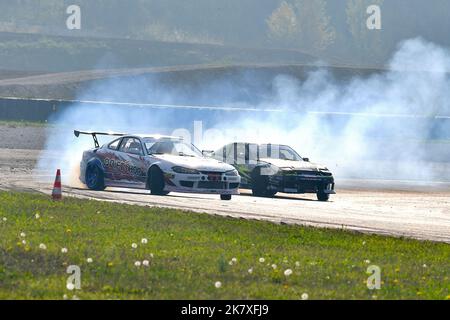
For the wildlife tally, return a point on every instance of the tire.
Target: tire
(322, 196)
(156, 182)
(95, 178)
(225, 197)
(260, 184)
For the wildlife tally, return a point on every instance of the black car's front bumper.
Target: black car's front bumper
(302, 183)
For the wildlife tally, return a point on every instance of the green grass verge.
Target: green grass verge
(191, 252)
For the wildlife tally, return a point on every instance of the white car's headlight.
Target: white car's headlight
(232, 173)
(184, 170)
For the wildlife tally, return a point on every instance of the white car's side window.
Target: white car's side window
(131, 145)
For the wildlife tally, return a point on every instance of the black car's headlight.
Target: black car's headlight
(184, 170)
(232, 173)
(288, 171)
(269, 170)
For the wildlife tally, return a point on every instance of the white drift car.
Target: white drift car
(161, 164)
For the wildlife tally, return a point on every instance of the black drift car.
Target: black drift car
(270, 168)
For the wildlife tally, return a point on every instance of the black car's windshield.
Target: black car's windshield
(276, 151)
(172, 147)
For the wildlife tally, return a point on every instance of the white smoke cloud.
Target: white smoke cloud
(391, 134)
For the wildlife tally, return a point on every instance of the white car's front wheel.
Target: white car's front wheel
(156, 181)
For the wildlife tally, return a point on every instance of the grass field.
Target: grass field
(12, 123)
(189, 252)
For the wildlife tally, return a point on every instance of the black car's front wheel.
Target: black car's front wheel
(156, 182)
(225, 197)
(95, 178)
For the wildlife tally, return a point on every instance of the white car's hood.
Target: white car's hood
(201, 164)
(293, 165)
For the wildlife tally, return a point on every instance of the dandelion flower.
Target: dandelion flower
(4, 219)
(64, 250)
(42, 246)
(89, 260)
(23, 235)
(151, 255)
(70, 286)
(425, 266)
(287, 272)
(134, 245)
(65, 297)
(230, 263)
(250, 270)
(37, 215)
(297, 264)
(137, 263)
(24, 242)
(145, 263)
(305, 296)
(144, 241)
(367, 261)
(262, 260)
(363, 243)
(218, 284)
(234, 260)
(274, 266)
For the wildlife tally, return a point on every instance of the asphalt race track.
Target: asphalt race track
(398, 208)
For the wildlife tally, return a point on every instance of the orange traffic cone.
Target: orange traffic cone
(57, 193)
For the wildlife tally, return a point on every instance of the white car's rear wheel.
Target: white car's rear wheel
(95, 178)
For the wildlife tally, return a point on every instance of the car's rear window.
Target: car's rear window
(115, 144)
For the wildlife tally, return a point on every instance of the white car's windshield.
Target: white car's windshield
(172, 147)
(275, 151)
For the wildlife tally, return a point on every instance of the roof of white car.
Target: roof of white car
(156, 136)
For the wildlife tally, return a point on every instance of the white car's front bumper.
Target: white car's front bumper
(206, 183)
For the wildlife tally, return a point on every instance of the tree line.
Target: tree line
(333, 27)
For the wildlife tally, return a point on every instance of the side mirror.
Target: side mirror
(208, 153)
(306, 159)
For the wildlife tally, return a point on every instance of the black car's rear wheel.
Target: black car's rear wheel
(95, 178)
(225, 197)
(260, 184)
(156, 182)
(322, 196)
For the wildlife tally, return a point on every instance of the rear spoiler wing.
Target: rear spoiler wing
(95, 133)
